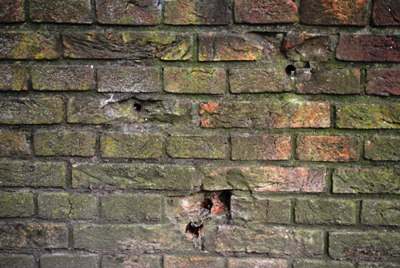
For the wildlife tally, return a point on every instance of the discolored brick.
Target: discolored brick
(380, 212)
(135, 261)
(193, 262)
(309, 263)
(68, 260)
(257, 262)
(383, 82)
(16, 205)
(14, 143)
(192, 146)
(12, 11)
(386, 12)
(61, 11)
(14, 78)
(383, 148)
(17, 261)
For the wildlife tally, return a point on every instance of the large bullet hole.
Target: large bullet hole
(193, 231)
(137, 106)
(290, 69)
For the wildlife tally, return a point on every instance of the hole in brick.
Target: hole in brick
(307, 64)
(221, 203)
(290, 69)
(193, 230)
(207, 204)
(137, 106)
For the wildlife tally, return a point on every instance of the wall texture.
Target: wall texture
(199, 133)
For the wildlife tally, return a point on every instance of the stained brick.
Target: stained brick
(378, 265)
(12, 11)
(383, 82)
(68, 260)
(17, 261)
(122, 261)
(14, 78)
(193, 262)
(386, 12)
(381, 148)
(192, 146)
(257, 262)
(61, 11)
(309, 263)
(13, 143)
(16, 205)
(380, 212)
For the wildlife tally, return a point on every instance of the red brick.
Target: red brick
(61, 11)
(386, 12)
(12, 11)
(383, 82)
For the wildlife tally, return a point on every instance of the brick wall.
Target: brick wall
(199, 133)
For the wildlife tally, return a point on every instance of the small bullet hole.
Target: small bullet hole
(307, 64)
(207, 204)
(290, 69)
(192, 230)
(137, 106)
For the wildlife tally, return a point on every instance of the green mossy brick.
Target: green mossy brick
(14, 143)
(380, 212)
(17, 261)
(309, 263)
(83, 206)
(61, 11)
(171, 261)
(383, 148)
(257, 262)
(124, 261)
(68, 260)
(378, 265)
(16, 205)
(13, 78)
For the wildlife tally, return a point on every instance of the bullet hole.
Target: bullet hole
(290, 69)
(137, 106)
(307, 64)
(193, 231)
(207, 204)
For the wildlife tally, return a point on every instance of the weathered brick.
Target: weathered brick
(327, 148)
(108, 110)
(383, 82)
(292, 113)
(308, 47)
(13, 143)
(64, 142)
(195, 146)
(63, 78)
(328, 81)
(68, 260)
(270, 79)
(332, 12)
(326, 211)
(119, 207)
(61, 11)
(33, 235)
(379, 48)
(145, 12)
(14, 78)
(139, 145)
(367, 245)
(378, 265)
(264, 179)
(265, 11)
(257, 262)
(383, 148)
(134, 176)
(309, 263)
(386, 12)
(127, 45)
(380, 212)
(129, 79)
(16, 205)
(368, 116)
(32, 111)
(132, 261)
(196, 12)
(27, 173)
(261, 147)
(366, 180)
(197, 80)
(193, 262)
(17, 261)
(29, 46)
(12, 11)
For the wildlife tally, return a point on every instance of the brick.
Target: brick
(68, 260)
(32, 111)
(261, 147)
(308, 263)
(308, 47)
(17, 261)
(129, 79)
(193, 262)
(358, 47)
(328, 81)
(29, 46)
(14, 78)
(33, 235)
(257, 262)
(197, 80)
(254, 80)
(133, 261)
(264, 179)
(195, 146)
(380, 212)
(378, 265)
(112, 111)
(64, 142)
(145, 12)
(140, 145)
(196, 12)
(12, 11)
(382, 148)
(134, 176)
(327, 148)
(181, 209)
(383, 82)
(291, 113)
(13, 143)
(127, 45)
(63, 78)
(368, 116)
(237, 47)
(265, 11)
(366, 180)
(331, 12)
(386, 12)
(136, 238)
(29, 173)
(326, 211)
(147, 208)
(245, 208)
(61, 11)
(367, 245)
(16, 205)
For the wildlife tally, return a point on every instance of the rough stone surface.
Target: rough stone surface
(321, 264)
(195, 262)
(12, 11)
(61, 11)
(133, 261)
(14, 78)
(68, 260)
(16, 205)
(14, 143)
(383, 148)
(17, 261)
(256, 262)
(386, 12)
(380, 212)
(383, 82)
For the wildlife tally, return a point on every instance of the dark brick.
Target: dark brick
(17, 261)
(61, 11)
(257, 262)
(379, 48)
(14, 78)
(196, 12)
(378, 265)
(16, 205)
(143, 12)
(127, 45)
(308, 263)
(380, 212)
(383, 148)
(366, 180)
(383, 82)
(13, 143)
(63, 78)
(265, 11)
(12, 11)
(132, 261)
(68, 260)
(193, 262)
(386, 12)
(129, 79)
(332, 12)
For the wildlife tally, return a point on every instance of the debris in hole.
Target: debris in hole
(137, 106)
(290, 69)
(207, 204)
